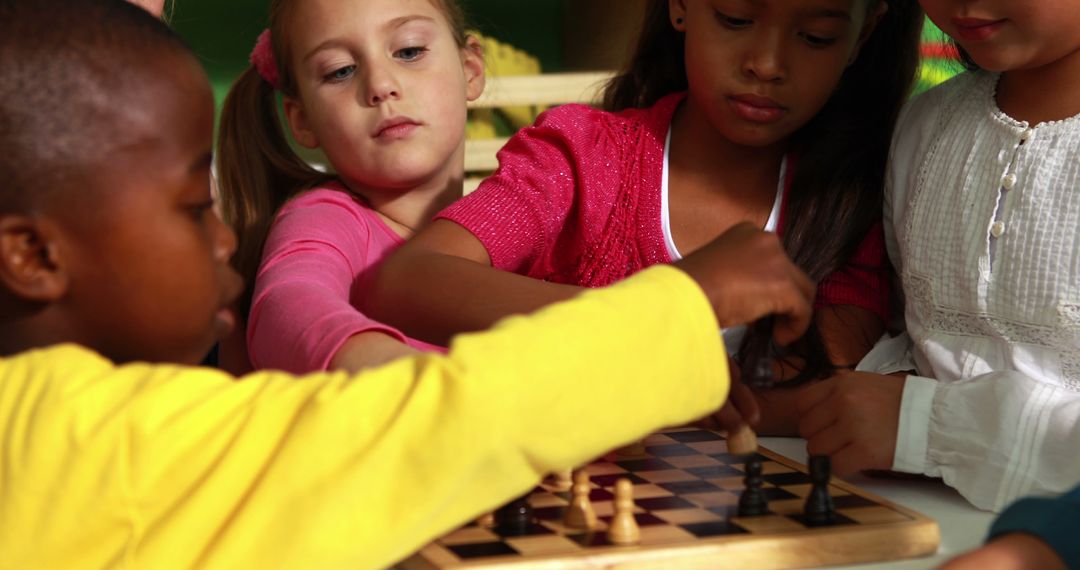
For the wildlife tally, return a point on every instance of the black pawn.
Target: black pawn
(760, 370)
(819, 508)
(752, 501)
(514, 518)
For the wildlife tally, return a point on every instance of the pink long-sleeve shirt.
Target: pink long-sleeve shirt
(577, 200)
(316, 272)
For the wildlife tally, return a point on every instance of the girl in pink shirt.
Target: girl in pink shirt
(773, 112)
(380, 87)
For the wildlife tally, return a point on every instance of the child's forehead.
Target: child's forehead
(316, 19)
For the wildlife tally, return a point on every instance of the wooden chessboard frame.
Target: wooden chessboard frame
(883, 531)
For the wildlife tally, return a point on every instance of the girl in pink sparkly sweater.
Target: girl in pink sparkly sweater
(771, 112)
(380, 87)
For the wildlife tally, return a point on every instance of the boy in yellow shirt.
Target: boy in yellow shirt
(113, 263)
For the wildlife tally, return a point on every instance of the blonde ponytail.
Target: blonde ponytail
(257, 170)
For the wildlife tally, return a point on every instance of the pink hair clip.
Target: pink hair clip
(262, 59)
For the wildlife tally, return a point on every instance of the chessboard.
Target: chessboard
(686, 490)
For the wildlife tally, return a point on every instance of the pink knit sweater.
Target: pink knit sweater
(577, 200)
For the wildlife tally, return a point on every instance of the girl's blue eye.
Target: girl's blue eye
(340, 74)
(732, 22)
(410, 53)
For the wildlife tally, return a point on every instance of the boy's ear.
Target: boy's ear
(868, 29)
(677, 12)
(472, 62)
(298, 123)
(31, 265)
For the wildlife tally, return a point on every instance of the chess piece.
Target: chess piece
(514, 518)
(563, 480)
(624, 528)
(742, 441)
(760, 374)
(486, 520)
(752, 501)
(819, 508)
(580, 513)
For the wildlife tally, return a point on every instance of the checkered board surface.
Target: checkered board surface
(686, 490)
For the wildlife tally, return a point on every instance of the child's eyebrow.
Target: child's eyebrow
(391, 25)
(402, 20)
(829, 13)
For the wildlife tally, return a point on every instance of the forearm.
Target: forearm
(997, 436)
(432, 295)
(337, 470)
(369, 350)
(407, 451)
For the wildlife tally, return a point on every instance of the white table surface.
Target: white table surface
(963, 527)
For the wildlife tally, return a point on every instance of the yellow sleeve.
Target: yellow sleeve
(166, 466)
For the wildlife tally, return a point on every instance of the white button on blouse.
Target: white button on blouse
(997, 228)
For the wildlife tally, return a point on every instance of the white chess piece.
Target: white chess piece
(624, 528)
(580, 513)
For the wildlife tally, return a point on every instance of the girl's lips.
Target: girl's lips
(757, 109)
(976, 29)
(397, 131)
(396, 128)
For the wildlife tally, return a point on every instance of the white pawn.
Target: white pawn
(742, 441)
(624, 528)
(564, 480)
(580, 513)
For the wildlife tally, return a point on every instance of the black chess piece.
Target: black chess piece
(514, 518)
(752, 501)
(819, 508)
(760, 375)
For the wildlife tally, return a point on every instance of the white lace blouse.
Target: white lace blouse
(982, 222)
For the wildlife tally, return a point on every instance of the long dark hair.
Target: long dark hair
(836, 190)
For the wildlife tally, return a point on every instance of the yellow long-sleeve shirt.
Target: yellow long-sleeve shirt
(161, 466)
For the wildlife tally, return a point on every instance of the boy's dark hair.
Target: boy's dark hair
(64, 65)
(836, 192)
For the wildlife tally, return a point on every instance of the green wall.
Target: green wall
(222, 33)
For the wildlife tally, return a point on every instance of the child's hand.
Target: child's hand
(740, 408)
(746, 275)
(852, 417)
(1014, 551)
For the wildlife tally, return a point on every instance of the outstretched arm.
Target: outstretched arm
(303, 312)
(164, 465)
(441, 283)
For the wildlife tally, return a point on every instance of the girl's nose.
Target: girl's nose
(381, 87)
(765, 59)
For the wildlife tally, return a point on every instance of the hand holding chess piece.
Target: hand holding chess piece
(734, 269)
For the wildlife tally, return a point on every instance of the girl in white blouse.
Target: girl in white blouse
(982, 222)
